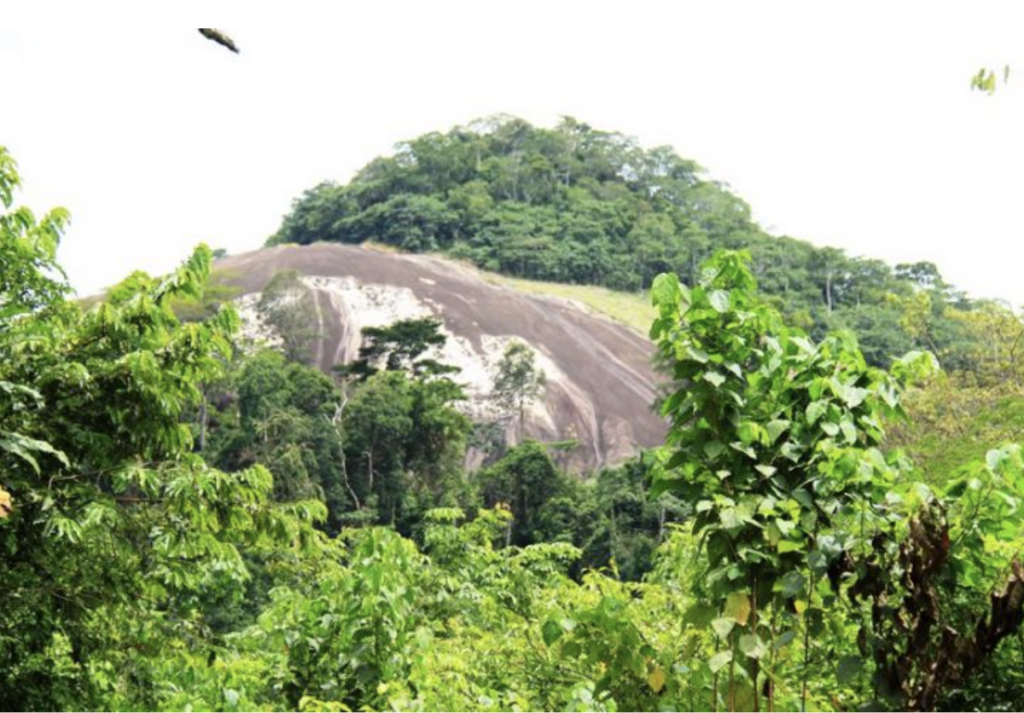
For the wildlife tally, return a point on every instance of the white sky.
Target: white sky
(851, 125)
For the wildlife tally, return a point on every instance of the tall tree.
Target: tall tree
(289, 307)
(400, 346)
(518, 381)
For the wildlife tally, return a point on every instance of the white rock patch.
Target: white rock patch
(360, 305)
(255, 332)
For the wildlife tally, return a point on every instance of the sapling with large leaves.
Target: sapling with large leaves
(776, 442)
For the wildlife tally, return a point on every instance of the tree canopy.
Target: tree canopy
(576, 204)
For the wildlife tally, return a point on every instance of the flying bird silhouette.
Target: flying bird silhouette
(219, 37)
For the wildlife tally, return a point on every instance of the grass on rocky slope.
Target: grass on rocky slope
(633, 309)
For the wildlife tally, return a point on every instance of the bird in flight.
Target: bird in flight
(218, 37)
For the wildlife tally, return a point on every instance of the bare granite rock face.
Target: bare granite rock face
(600, 383)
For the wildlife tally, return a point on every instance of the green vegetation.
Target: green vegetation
(399, 346)
(289, 308)
(630, 308)
(806, 522)
(187, 526)
(115, 536)
(519, 381)
(577, 206)
(957, 413)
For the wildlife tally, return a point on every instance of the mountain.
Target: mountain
(574, 204)
(600, 385)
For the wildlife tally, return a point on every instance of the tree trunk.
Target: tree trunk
(828, 291)
(369, 469)
(338, 421)
(522, 419)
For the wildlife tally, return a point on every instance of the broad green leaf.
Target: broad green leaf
(791, 451)
(551, 631)
(731, 518)
(723, 626)
(714, 378)
(744, 449)
(753, 646)
(785, 546)
(665, 290)
(719, 300)
(673, 402)
(791, 584)
(784, 639)
(698, 355)
(849, 431)
(748, 432)
(712, 449)
(815, 410)
(776, 428)
(719, 661)
(737, 606)
(853, 396)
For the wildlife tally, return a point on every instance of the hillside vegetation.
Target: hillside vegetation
(576, 205)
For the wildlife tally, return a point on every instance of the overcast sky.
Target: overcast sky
(854, 128)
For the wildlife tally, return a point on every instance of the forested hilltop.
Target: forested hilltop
(578, 205)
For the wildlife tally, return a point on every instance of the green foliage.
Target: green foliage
(289, 307)
(215, 293)
(763, 419)
(278, 413)
(958, 415)
(399, 346)
(622, 523)
(518, 381)
(524, 481)
(381, 450)
(777, 441)
(581, 206)
(986, 79)
(402, 437)
(117, 530)
(356, 630)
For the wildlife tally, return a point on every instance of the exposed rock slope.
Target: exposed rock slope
(600, 383)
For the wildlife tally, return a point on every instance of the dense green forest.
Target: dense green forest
(575, 204)
(185, 524)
